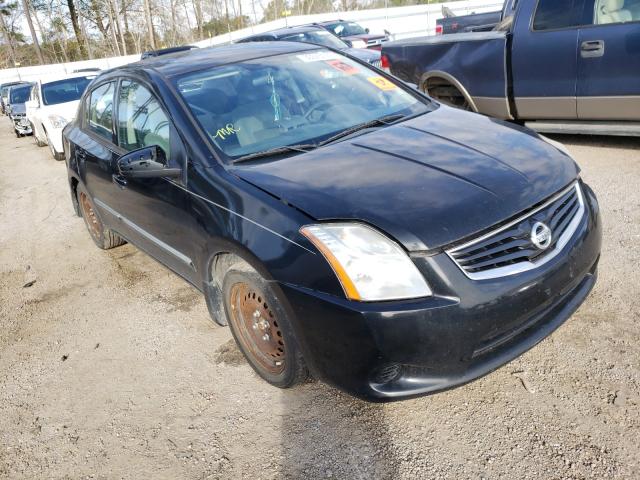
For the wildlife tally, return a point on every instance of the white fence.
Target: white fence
(401, 22)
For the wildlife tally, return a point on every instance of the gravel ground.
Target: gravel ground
(111, 368)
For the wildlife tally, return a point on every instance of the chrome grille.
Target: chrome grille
(512, 248)
(376, 63)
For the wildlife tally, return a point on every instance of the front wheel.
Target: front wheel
(262, 328)
(55, 154)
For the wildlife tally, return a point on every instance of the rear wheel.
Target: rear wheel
(102, 236)
(262, 328)
(443, 91)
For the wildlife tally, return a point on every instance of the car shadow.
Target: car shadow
(327, 434)
(622, 143)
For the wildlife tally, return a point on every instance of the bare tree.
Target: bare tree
(149, 22)
(34, 37)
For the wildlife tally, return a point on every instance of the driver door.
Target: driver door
(153, 209)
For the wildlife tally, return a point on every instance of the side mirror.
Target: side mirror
(146, 162)
(367, 30)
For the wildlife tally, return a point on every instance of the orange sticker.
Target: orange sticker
(382, 83)
(343, 67)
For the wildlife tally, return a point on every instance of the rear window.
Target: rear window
(558, 14)
(63, 91)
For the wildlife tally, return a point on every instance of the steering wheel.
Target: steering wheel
(315, 107)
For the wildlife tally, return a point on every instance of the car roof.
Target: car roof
(282, 32)
(202, 58)
(57, 78)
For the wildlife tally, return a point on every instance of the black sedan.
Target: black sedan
(338, 221)
(319, 36)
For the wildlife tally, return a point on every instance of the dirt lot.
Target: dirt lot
(111, 368)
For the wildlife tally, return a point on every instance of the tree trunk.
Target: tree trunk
(76, 28)
(112, 28)
(86, 38)
(149, 21)
(9, 37)
(197, 8)
(116, 17)
(34, 37)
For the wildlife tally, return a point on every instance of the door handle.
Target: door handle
(592, 49)
(119, 180)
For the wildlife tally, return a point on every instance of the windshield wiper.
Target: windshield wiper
(382, 121)
(272, 152)
(306, 147)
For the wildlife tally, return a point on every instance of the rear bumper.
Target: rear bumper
(395, 350)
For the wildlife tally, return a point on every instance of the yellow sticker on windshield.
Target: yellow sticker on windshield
(382, 83)
(226, 131)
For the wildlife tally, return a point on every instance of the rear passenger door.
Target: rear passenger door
(609, 61)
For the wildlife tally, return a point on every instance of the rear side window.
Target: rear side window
(558, 14)
(100, 117)
(141, 120)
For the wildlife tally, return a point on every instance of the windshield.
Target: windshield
(19, 94)
(291, 99)
(347, 29)
(319, 37)
(63, 91)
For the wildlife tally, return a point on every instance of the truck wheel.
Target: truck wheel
(102, 236)
(443, 91)
(261, 327)
(18, 134)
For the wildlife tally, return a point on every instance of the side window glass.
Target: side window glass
(141, 120)
(616, 11)
(100, 112)
(557, 14)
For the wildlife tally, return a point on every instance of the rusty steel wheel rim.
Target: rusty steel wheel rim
(95, 227)
(257, 327)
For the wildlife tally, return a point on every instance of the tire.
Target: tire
(445, 92)
(39, 142)
(54, 154)
(18, 134)
(261, 328)
(101, 235)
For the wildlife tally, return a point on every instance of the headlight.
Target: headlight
(370, 266)
(57, 121)
(358, 44)
(557, 145)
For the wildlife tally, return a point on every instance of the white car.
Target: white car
(53, 104)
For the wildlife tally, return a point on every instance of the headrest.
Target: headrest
(610, 6)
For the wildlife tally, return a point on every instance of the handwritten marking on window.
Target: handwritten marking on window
(226, 131)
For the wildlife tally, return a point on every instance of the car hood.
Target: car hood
(428, 182)
(364, 54)
(66, 110)
(367, 38)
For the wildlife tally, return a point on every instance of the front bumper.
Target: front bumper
(22, 125)
(395, 350)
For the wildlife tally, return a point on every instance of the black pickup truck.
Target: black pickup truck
(476, 22)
